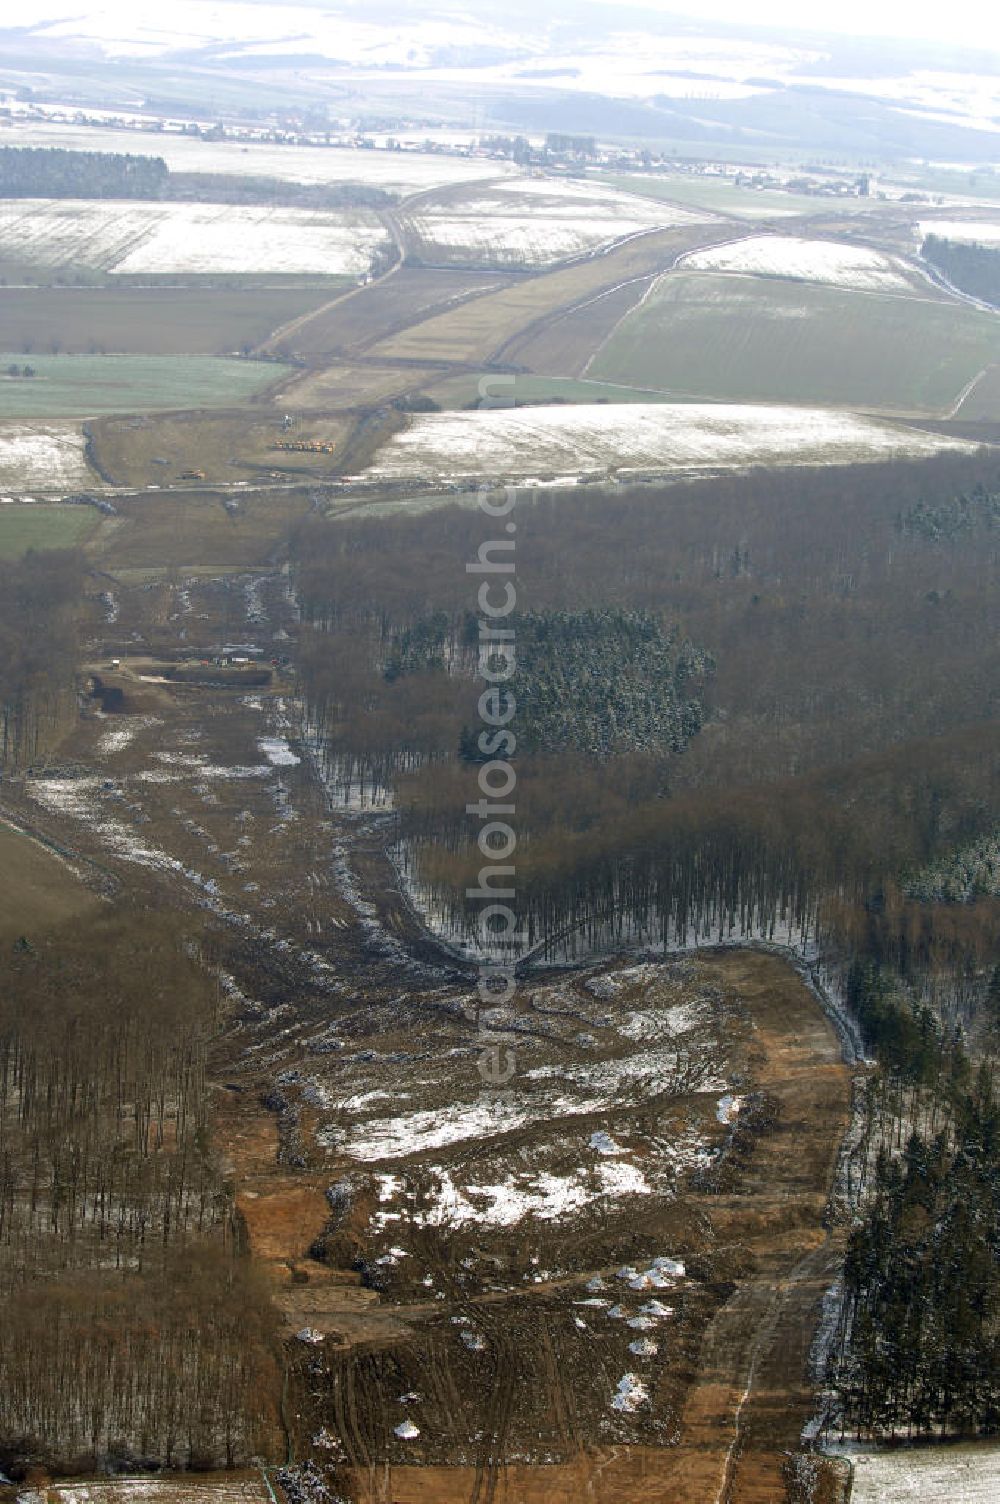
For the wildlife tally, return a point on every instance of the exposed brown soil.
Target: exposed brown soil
(355, 322)
(729, 1393)
(223, 447)
(750, 1395)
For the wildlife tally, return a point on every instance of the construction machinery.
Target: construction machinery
(305, 446)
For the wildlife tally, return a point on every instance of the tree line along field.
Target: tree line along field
(395, 172)
(753, 338)
(147, 320)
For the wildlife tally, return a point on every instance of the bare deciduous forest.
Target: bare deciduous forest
(39, 606)
(843, 629)
(135, 1328)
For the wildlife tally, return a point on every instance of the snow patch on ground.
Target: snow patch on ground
(663, 437)
(660, 1023)
(545, 1197)
(45, 456)
(165, 238)
(968, 231)
(959, 1474)
(179, 1490)
(581, 1089)
(532, 221)
(631, 1394)
(831, 263)
(278, 753)
(123, 733)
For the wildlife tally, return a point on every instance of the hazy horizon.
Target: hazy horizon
(963, 24)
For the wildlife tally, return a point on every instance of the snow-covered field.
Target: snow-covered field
(559, 443)
(961, 1474)
(535, 221)
(42, 456)
(831, 263)
(395, 171)
(969, 231)
(166, 237)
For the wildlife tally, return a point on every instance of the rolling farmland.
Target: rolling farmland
(532, 222)
(69, 386)
(147, 320)
(477, 329)
(720, 195)
(829, 263)
(179, 239)
(461, 391)
(565, 441)
(374, 313)
(739, 338)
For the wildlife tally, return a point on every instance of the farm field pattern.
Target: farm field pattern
(142, 239)
(556, 1295)
(530, 222)
(741, 338)
(538, 441)
(147, 320)
(66, 386)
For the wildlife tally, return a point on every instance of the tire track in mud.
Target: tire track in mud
(491, 1463)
